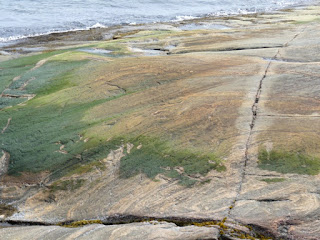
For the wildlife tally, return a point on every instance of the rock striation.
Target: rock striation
(218, 128)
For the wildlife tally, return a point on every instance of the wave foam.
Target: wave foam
(182, 18)
(14, 38)
(98, 25)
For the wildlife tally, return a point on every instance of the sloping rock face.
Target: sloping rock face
(213, 124)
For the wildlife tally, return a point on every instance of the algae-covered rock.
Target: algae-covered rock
(163, 123)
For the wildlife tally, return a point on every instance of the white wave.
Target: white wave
(14, 38)
(182, 18)
(98, 25)
(235, 12)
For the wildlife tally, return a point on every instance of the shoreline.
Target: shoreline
(20, 40)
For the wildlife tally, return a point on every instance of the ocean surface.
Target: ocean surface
(21, 18)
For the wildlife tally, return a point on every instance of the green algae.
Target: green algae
(302, 22)
(33, 136)
(51, 77)
(288, 162)
(36, 132)
(8, 102)
(117, 48)
(15, 67)
(273, 180)
(45, 134)
(66, 185)
(156, 156)
(80, 169)
(152, 156)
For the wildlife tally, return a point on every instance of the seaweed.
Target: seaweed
(288, 162)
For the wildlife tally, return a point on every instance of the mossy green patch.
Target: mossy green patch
(117, 48)
(66, 185)
(51, 77)
(152, 156)
(80, 169)
(311, 19)
(155, 152)
(36, 133)
(288, 162)
(41, 127)
(45, 134)
(273, 180)
(15, 67)
(34, 136)
(7, 102)
(8, 74)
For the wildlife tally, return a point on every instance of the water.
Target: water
(20, 18)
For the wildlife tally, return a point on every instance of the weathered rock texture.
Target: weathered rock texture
(128, 231)
(230, 92)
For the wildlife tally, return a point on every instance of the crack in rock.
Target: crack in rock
(228, 49)
(228, 230)
(290, 115)
(117, 86)
(267, 200)
(254, 110)
(28, 96)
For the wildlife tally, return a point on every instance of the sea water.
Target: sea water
(21, 18)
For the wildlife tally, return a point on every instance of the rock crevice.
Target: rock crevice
(254, 110)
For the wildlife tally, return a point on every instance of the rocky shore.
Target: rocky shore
(202, 129)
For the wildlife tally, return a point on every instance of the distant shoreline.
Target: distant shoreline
(13, 40)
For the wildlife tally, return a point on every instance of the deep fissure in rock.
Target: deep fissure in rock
(226, 233)
(254, 110)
